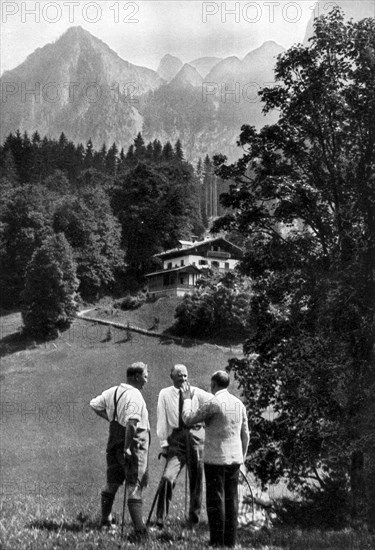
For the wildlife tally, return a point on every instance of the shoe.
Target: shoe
(108, 525)
(192, 525)
(139, 536)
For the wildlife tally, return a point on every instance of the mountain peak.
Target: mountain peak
(188, 75)
(205, 64)
(268, 49)
(168, 67)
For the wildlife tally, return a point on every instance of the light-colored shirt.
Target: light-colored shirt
(167, 411)
(227, 431)
(130, 405)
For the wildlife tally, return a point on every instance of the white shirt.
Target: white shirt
(130, 405)
(167, 411)
(227, 432)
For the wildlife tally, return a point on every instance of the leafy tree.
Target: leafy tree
(50, 294)
(25, 223)
(155, 205)
(304, 195)
(219, 306)
(94, 234)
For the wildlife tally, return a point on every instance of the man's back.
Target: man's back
(224, 425)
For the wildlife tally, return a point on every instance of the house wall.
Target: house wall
(195, 260)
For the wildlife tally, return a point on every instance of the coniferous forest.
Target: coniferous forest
(116, 209)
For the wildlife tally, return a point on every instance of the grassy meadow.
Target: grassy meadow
(53, 445)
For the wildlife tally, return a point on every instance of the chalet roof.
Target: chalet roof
(184, 250)
(184, 268)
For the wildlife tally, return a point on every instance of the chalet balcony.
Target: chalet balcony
(218, 254)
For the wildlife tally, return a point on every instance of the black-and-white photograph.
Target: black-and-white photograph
(187, 274)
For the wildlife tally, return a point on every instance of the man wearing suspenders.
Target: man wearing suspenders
(127, 448)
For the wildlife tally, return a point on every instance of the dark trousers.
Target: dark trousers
(222, 503)
(185, 447)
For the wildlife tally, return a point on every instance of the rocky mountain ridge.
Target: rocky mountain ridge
(79, 86)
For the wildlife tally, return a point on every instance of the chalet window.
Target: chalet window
(215, 264)
(202, 262)
(226, 265)
(182, 262)
(169, 265)
(181, 280)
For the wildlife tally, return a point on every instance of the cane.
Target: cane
(153, 503)
(156, 495)
(186, 497)
(123, 508)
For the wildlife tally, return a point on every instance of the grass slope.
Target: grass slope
(144, 316)
(53, 445)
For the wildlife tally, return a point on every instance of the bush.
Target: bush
(327, 508)
(220, 306)
(132, 302)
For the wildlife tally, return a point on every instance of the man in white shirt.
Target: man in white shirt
(180, 445)
(127, 448)
(225, 448)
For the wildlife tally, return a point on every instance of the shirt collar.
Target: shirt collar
(221, 391)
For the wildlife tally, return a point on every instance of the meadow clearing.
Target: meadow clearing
(53, 445)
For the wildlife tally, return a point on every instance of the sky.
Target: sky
(142, 32)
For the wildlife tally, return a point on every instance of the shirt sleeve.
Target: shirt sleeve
(98, 403)
(205, 411)
(161, 424)
(133, 407)
(245, 435)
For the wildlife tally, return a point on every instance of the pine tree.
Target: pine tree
(111, 160)
(50, 294)
(167, 153)
(157, 146)
(139, 146)
(178, 151)
(89, 154)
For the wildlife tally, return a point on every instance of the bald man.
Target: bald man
(225, 449)
(180, 445)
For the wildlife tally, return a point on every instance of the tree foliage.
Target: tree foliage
(156, 205)
(25, 223)
(220, 306)
(94, 234)
(50, 185)
(49, 299)
(304, 195)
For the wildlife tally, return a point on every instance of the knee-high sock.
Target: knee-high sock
(106, 502)
(135, 510)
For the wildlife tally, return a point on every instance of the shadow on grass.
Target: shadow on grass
(80, 524)
(14, 342)
(170, 336)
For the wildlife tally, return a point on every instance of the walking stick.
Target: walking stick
(123, 509)
(186, 498)
(153, 503)
(156, 494)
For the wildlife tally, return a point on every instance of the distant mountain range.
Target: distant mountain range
(79, 86)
